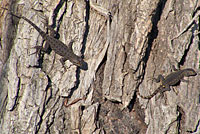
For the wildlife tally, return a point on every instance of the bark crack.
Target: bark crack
(196, 128)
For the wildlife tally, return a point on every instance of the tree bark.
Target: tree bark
(125, 44)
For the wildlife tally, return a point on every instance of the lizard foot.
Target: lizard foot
(38, 49)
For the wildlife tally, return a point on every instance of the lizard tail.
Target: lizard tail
(149, 96)
(43, 34)
(11, 13)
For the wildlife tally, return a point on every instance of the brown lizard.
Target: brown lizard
(58, 46)
(170, 80)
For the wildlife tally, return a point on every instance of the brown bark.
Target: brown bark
(122, 55)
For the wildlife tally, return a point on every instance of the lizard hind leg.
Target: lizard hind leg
(52, 32)
(157, 80)
(160, 78)
(62, 60)
(174, 68)
(38, 49)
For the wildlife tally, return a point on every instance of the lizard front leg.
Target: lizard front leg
(62, 60)
(175, 90)
(184, 80)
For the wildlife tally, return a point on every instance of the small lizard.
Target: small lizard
(170, 80)
(58, 46)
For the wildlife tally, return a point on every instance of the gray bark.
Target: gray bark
(122, 55)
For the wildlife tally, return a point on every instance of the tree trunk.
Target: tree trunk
(125, 43)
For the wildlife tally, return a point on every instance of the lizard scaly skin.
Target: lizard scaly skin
(170, 80)
(58, 46)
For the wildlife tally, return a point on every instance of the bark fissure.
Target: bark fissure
(55, 14)
(77, 82)
(182, 61)
(49, 87)
(43, 108)
(124, 43)
(180, 120)
(8, 34)
(87, 27)
(196, 128)
(16, 100)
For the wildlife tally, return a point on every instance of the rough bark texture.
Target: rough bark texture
(122, 55)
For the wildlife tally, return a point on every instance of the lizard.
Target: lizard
(170, 80)
(56, 45)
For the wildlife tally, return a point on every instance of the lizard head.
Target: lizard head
(80, 63)
(190, 72)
